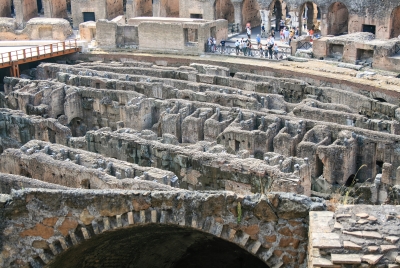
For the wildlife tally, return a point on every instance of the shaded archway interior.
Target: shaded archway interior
(338, 19)
(395, 19)
(156, 245)
(224, 10)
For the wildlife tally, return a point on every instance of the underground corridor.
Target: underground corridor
(156, 245)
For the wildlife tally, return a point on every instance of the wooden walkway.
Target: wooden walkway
(13, 59)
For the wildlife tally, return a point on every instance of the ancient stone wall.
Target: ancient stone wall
(169, 8)
(224, 10)
(99, 8)
(79, 169)
(47, 29)
(55, 8)
(114, 8)
(196, 9)
(24, 11)
(272, 227)
(10, 182)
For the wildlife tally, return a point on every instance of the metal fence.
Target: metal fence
(304, 45)
(233, 28)
(283, 52)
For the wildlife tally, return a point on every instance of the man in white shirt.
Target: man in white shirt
(237, 46)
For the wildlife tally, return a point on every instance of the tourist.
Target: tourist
(272, 32)
(260, 49)
(286, 35)
(276, 51)
(311, 33)
(237, 46)
(296, 32)
(291, 36)
(222, 43)
(214, 44)
(282, 24)
(262, 30)
(210, 43)
(270, 45)
(282, 36)
(243, 44)
(249, 47)
(248, 33)
(258, 39)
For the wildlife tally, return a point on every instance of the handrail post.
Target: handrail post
(24, 54)
(9, 57)
(76, 45)
(51, 48)
(63, 46)
(37, 50)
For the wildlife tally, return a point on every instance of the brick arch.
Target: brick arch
(251, 13)
(312, 12)
(48, 222)
(132, 219)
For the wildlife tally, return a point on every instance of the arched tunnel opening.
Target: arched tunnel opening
(156, 245)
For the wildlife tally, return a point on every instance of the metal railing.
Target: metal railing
(304, 45)
(397, 49)
(233, 28)
(283, 52)
(37, 52)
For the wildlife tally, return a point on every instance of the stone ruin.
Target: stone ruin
(35, 29)
(131, 125)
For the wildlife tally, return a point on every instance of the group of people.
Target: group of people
(269, 50)
(287, 34)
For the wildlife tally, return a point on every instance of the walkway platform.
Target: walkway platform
(12, 59)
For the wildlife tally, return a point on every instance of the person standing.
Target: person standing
(286, 35)
(214, 44)
(260, 48)
(222, 43)
(291, 35)
(209, 44)
(244, 46)
(276, 51)
(281, 24)
(311, 33)
(270, 45)
(237, 46)
(248, 33)
(249, 47)
(258, 39)
(262, 30)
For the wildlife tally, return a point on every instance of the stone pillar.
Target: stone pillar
(5, 10)
(324, 24)
(130, 9)
(55, 9)
(284, 10)
(238, 14)
(24, 11)
(294, 19)
(266, 20)
(158, 9)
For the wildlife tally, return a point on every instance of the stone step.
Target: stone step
(346, 258)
